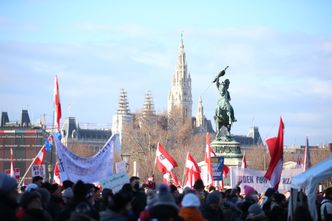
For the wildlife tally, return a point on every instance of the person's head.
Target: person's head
(212, 188)
(328, 193)
(66, 184)
(190, 200)
(121, 202)
(31, 200)
(199, 185)
(227, 82)
(38, 180)
(8, 188)
(213, 200)
(67, 195)
(134, 182)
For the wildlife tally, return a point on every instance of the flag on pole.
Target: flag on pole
(307, 160)
(165, 163)
(57, 105)
(12, 171)
(244, 161)
(170, 178)
(208, 154)
(192, 172)
(276, 146)
(56, 176)
(39, 160)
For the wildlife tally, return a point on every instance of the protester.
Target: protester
(326, 205)
(139, 197)
(120, 208)
(189, 211)
(164, 208)
(38, 180)
(8, 197)
(211, 210)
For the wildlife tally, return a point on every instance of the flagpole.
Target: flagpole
(26, 172)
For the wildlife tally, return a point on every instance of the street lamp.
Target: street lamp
(126, 158)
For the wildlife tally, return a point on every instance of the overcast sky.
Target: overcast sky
(279, 53)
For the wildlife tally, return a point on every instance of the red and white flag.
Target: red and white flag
(276, 147)
(170, 178)
(56, 176)
(39, 160)
(192, 172)
(12, 171)
(244, 161)
(208, 154)
(165, 163)
(57, 104)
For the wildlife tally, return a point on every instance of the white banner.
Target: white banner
(115, 182)
(90, 169)
(120, 167)
(256, 179)
(38, 170)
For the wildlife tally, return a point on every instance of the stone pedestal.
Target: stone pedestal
(230, 150)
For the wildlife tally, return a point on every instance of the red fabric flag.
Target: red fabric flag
(164, 161)
(56, 176)
(170, 178)
(208, 154)
(192, 172)
(57, 104)
(276, 146)
(12, 171)
(244, 161)
(40, 156)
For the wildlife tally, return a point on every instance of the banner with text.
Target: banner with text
(38, 170)
(115, 182)
(256, 179)
(90, 169)
(217, 167)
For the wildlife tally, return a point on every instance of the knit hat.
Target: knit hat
(213, 198)
(7, 183)
(68, 193)
(255, 209)
(190, 200)
(164, 197)
(248, 190)
(31, 187)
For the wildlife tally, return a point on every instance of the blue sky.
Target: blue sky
(279, 53)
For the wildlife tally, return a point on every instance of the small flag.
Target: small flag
(192, 172)
(56, 176)
(57, 105)
(164, 161)
(39, 160)
(208, 154)
(12, 171)
(244, 161)
(276, 146)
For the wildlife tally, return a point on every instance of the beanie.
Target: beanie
(213, 198)
(7, 183)
(190, 200)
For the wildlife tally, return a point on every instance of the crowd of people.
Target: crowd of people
(42, 201)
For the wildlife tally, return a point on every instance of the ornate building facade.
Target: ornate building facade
(180, 97)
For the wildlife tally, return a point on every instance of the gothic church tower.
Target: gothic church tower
(180, 95)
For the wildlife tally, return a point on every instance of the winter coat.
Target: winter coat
(191, 214)
(109, 215)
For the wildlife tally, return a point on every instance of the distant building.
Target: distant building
(25, 139)
(148, 116)
(180, 97)
(81, 141)
(123, 117)
(200, 123)
(253, 138)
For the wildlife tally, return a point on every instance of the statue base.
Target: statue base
(229, 149)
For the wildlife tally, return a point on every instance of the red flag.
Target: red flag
(192, 172)
(307, 160)
(276, 146)
(57, 104)
(208, 154)
(170, 178)
(40, 156)
(244, 161)
(12, 171)
(164, 161)
(56, 176)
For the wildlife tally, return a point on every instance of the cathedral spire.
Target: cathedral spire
(148, 108)
(123, 105)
